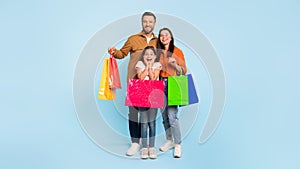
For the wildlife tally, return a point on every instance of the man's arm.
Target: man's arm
(123, 52)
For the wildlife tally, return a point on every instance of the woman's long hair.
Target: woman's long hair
(160, 46)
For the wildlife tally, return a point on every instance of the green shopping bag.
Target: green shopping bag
(178, 90)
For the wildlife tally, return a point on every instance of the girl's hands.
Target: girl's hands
(149, 66)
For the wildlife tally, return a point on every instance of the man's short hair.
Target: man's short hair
(148, 14)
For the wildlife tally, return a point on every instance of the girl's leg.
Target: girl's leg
(152, 130)
(144, 127)
(152, 126)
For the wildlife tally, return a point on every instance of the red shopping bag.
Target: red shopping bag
(114, 76)
(145, 93)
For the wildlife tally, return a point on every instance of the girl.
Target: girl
(148, 68)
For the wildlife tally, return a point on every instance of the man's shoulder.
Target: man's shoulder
(140, 35)
(137, 35)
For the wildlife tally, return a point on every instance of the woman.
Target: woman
(173, 63)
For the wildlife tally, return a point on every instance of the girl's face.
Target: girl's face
(149, 56)
(165, 37)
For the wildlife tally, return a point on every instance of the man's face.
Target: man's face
(148, 23)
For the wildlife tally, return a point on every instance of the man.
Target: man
(135, 45)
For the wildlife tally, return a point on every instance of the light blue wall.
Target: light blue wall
(256, 41)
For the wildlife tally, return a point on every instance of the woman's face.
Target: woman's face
(149, 56)
(165, 37)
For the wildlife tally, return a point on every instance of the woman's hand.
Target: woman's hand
(172, 62)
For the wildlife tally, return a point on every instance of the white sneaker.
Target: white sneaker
(135, 147)
(152, 153)
(177, 151)
(144, 153)
(167, 146)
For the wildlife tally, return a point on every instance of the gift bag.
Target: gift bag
(193, 97)
(114, 76)
(104, 92)
(145, 93)
(181, 90)
(178, 90)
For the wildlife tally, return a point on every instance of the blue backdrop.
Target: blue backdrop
(256, 41)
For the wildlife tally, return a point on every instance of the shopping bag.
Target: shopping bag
(114, 76)
(193, 97)
(178, 90)
(145, 93)
(181, 90)
(104, 92)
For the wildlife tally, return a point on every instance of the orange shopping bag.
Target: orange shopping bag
(104, 92)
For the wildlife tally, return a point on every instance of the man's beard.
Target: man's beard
(147, 32)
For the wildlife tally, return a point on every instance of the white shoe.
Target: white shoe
(152, 153)
(144, 153)
(177, 151)
(135, 147)
(167, 146)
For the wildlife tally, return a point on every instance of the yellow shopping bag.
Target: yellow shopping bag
(104, 92)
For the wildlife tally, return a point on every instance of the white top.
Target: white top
(148, 39)
(142, 66)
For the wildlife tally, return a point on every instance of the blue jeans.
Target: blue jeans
(134, 124)
(170, 119)
(148, 119)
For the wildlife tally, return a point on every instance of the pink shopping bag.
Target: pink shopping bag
(145, 93)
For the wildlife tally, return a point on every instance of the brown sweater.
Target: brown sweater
(134, 45)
